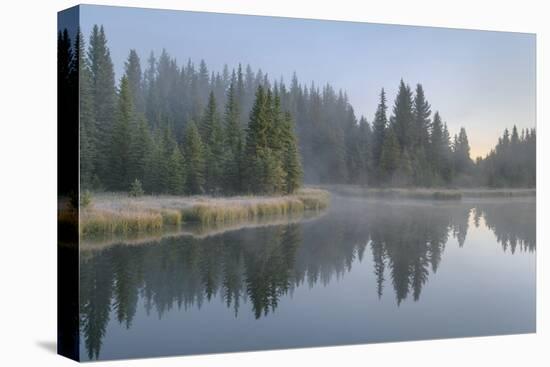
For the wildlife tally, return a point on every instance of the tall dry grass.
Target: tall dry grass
(116, 214)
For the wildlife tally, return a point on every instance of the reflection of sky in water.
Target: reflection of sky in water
(478, 289)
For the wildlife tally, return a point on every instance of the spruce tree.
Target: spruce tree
(154, 166)
(390, 157)
(212, 136)
(88, 132)
(422, 114)
(168, 144)
(379, 126)
(437, 146)
(364, 141)
(233, 142)
(402, 118)
(140, 146)
(176, 172)
(463, 163)
(421, 170)
(256, 142)
(104, 96)
(292, 166)
(120, 139)
(194, 159)
(132, 70)
(447, 169)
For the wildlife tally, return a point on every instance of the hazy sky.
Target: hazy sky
(481, 80)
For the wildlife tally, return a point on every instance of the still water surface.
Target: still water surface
(365, 271)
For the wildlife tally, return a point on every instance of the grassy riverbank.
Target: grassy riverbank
(195, 230)
(429, 194)
(119, 214)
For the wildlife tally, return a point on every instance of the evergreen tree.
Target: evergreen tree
(151, 90)
(461, 146)
(176, 173)
(402, 118)
(437, 146)
(390, 157)
(104, 96)
(233, 142)
(292, 166)
(132, 70)
(256, 142)
(154, 177)
(88, 132)
(194, 159)
(379, 126)
(262, 163)
(422, 114)
(140, 146)
(212, 136)
(120, 140)
(447, 169)
(364, 142)
(420, 167)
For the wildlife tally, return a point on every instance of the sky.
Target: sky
(481, 80)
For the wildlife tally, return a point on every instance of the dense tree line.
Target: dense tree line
(186, 129)
(164, 127)
(512, 163)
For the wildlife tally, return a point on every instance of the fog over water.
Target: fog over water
(367, 271)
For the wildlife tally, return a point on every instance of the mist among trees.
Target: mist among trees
(185, 129)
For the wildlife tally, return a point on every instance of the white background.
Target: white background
(28, 182)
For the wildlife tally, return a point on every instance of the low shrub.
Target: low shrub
(136, 190)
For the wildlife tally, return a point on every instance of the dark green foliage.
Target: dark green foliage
(440, 152)
(402, 117)
(155, 180)
(212, 135)
(269, 137)
(379, 126)
(257, 144)
(461, 154)
(133, 73)
(194, 159)
(291, 164)
(271, 163)
(513, 161)
(233, 142)
(421, 125)
(176, 172)
(104, 97)
(119, 152)
(390, 156)
(421, 170)
(88, 131)
(140, 148)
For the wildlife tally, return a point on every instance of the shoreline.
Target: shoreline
(118, 214)
(194, 230)
(429, 193)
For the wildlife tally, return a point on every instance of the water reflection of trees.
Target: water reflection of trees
(514, 229)
(259, 266)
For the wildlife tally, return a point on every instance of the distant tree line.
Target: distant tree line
(188, 130)
(512, 162)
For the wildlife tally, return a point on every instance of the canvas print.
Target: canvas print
(235, 183)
